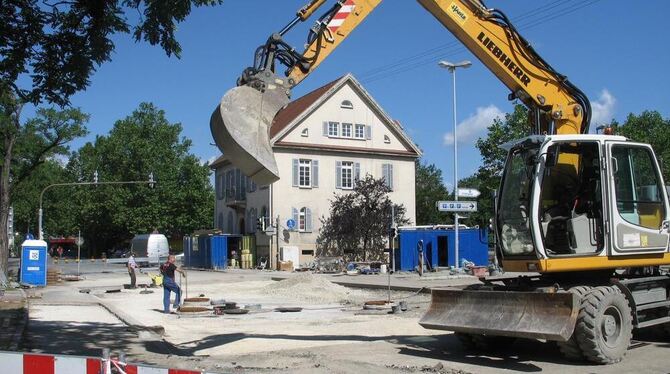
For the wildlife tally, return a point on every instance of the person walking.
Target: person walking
(132, 266)
(169, 285)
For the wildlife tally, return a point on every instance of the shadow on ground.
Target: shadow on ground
(445, 347)
(88, 339)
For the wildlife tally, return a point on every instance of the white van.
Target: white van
(153, 247)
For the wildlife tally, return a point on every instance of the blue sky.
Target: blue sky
(615, 51)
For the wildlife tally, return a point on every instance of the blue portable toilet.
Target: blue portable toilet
(34, 262)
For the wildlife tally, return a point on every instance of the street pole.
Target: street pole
(456, 247)
(78, 251)
(452, 68)
(277, 235)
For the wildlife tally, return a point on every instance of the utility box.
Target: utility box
(34, 262)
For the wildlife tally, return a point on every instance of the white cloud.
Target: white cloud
(602, 109)
(474, 126)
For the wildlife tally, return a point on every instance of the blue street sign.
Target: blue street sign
(290, 223)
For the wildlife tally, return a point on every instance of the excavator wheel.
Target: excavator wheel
(570, 349)
(484, 343)
(604, 326)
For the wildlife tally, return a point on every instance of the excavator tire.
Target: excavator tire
(570, 349)
(604, 325)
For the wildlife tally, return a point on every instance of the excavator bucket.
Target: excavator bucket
(240, 126)
(550, 316)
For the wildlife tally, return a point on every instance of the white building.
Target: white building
(322, 141)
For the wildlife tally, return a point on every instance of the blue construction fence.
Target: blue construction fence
(439, 247)
(210, 251)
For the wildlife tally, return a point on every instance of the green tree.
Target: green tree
(48, 51)
(649, 127)
(359, 221)
(25, 150)
(429, 189)
(142, 143)
(487, 178)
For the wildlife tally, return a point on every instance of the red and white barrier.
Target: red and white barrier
(33, 363)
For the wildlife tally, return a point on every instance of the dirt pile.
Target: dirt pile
(314, 289)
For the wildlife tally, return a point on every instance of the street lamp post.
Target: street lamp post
(452, 69)
(95, 182)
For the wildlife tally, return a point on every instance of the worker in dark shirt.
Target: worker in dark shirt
(169, 285)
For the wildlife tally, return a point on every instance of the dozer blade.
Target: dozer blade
(550, 316)
(240, 126)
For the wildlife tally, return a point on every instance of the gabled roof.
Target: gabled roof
(290, 115)
(295, 111)
(297, 107)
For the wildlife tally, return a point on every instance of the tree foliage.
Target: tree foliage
(359, 222)
(649, 127)
(144, 142)
(429, 189)
(48, 50)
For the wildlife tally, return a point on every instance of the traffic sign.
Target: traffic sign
(290, 223)
(468, 192)
(457, 206)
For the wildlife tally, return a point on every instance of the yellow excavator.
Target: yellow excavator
(584, 218)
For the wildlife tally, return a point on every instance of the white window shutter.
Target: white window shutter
(296, 217)
(368, 132)
(357, 171)
(308, 220)
(338, 174)
(385, 173)
(315, 173)
(295, 172)
(390, 177)
(325, 129)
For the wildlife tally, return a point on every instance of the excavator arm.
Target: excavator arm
(241, 123)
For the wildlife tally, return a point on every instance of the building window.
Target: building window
(220, 223)
(346, 130)
(346, 104)
(303, 219)
(333, 129)
(360, 131)
(387, 140)
(304, 133)
(347, 174)
(304, 179)
(387, 174)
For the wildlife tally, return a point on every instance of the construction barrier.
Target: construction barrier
(34, 363)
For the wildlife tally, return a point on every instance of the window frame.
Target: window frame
(346, 104)
(349, 127)
(332, 125)
(347, 166)
(357, 127)
(304, 165)
(302, 219)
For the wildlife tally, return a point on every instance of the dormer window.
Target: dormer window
(346, 104)
(387, 140)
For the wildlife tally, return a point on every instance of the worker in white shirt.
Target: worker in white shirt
(132, 265)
